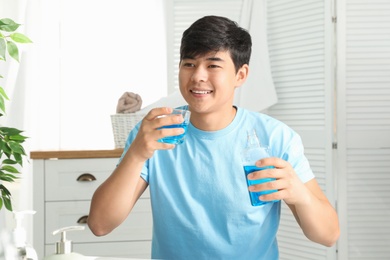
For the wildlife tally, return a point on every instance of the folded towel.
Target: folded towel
(129, 102)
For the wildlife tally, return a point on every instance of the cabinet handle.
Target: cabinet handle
(83, 220)
(86, 177)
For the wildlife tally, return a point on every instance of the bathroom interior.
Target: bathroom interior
(321, 66)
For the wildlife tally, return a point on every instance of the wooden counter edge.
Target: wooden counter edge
(76, 154)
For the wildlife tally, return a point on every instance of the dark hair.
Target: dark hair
(216, 33)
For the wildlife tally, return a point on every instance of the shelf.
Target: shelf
(76, 154)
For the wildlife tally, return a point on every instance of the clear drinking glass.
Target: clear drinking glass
(177, 139)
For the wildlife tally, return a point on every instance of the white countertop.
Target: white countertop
(110, 258)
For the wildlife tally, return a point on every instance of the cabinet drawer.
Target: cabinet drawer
(137, 226)
(75, 179)
(136, 249)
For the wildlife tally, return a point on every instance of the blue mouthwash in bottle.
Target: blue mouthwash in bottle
(252, 153)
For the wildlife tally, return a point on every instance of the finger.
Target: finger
(272, 161)
(274, 196)
(172, 119)
(155, 112)
(266, 172)
(164, 132)
(166, 146)
(268, 185)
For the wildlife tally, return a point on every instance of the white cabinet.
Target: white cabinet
(64, 183)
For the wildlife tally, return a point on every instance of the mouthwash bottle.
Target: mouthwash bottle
(253, 152)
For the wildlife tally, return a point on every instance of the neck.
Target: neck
(213, 121)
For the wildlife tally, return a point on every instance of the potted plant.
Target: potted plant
(11, 139)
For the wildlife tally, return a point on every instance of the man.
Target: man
(200, 202)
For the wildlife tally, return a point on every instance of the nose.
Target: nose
(199, 74)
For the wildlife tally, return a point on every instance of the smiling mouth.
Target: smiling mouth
(201, 91)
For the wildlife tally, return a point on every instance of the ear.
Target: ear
(242, 75)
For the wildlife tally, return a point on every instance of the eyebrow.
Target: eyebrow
(213, 58)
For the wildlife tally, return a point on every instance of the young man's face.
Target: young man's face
(208, 82)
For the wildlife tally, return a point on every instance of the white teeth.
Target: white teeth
(201, 92)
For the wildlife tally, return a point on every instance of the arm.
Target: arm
(114, 199)
(316, 216)
(312, 210)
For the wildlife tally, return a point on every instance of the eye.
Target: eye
(214, 66)
(188, 64)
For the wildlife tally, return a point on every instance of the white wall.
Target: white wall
(120, 47)
(69, 80)
(84, 56)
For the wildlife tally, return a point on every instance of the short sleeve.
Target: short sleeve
(133, 133)
(295, 155)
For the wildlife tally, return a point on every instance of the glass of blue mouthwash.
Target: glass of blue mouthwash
(253, 152)
(177, 139)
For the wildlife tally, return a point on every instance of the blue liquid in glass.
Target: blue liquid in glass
(254, 196)
(176, 139)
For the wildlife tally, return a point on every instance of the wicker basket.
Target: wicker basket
(122, 124)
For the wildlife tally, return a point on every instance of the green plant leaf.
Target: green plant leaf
(6, 197)
(9, 161)
(18, 138)
(18, 158)
(16, 147)
(8, 25)
(3, 48)
(4, 191)
(9, 168)
(2, 92)
(8, 178)
(20, 38)
(3, 96)
(2, 104)
(6, 149)
(13, 50)
(11, 150)
(7, 203)
(10, 130)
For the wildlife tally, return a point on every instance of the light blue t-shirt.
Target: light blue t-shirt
(200, 201)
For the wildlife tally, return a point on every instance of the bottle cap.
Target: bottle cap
(19, 233)
(64, 246)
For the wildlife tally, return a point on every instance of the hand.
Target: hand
(146, 141)
(289, 187)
